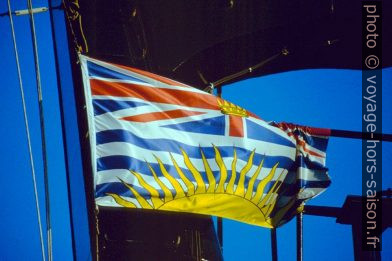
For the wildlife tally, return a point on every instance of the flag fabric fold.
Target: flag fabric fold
(162, 145)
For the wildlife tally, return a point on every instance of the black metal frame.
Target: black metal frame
(349, 214)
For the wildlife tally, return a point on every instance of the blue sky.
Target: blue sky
(322, 98)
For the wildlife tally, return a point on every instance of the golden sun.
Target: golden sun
(220, 197)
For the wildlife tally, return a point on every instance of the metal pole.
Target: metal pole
(274, 245)
(220, 232)
(336, 133)
(219, 91)
(42, 125)
(219, 221)
(26, 121)
(361, 135)
(322, 211)
(299, 237)
(60, 91)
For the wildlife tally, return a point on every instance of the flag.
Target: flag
(162, 145)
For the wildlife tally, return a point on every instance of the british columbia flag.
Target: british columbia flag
(160, 144)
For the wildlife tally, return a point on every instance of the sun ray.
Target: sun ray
(223, 171)
(230, 185)
(274, 190)
(142, 201)
(210, 175)
(201, 186)
(176, 185)
(240, 191)
(262, 184)
(270, 205)
(195, 197)
(249, 191)
(156, 201)
(190, 186)
(122, 202)
(167, 193)
(276, 186)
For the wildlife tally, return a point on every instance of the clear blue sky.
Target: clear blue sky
(321, 98)
(324, 98)
(18, 219)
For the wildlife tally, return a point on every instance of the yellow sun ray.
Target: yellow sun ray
(230, 185)
(122, 202)
(190, 186)
(262, 184)
(276, 186)
(210, 175)
(223, 171)
(156, 201)
(255, 207)
(270, 205)
(176, 185)
(201, 187)
(167, 193)
(249, 191)
(240, 191)
(142, 201)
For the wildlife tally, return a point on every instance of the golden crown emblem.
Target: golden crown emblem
(231, 109)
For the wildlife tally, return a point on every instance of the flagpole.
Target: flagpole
(219, 91)
(220, 232)
(361, 135)
(299, 236)
(42, 127)
(219, 220)
(337, 133)
(274, 245)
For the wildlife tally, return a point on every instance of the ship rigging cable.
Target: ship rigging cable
(42, 125)
(27, 132)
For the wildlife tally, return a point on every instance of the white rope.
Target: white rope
(27, 132)
(42, 125)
